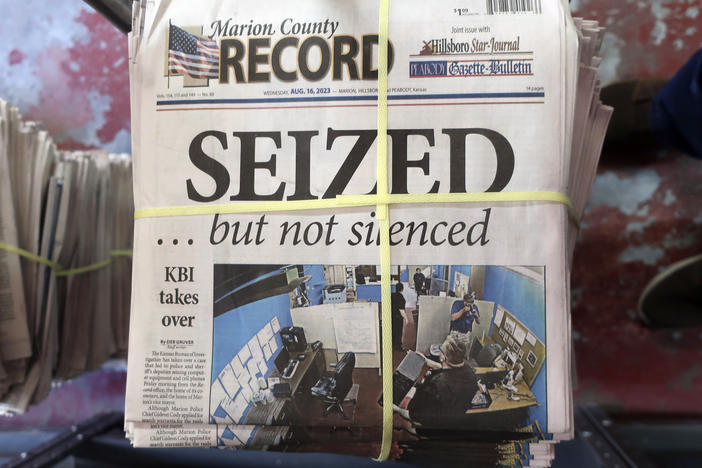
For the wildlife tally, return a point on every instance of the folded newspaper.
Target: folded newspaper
(63, 302)
(257, 311)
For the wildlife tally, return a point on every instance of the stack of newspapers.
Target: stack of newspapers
(261, 221)
(66, 224)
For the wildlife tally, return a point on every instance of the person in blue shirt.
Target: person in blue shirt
(463, 314)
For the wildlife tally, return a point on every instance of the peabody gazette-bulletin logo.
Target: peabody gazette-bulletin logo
(249, 53)
(460, 59)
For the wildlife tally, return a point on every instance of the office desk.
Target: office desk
(499, 395)
(501, 415)
(485, 370)
(308, 371)
(283, 410)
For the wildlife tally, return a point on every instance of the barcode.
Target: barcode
(495, 7)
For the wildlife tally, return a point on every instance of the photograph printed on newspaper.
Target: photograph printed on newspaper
(302, 343)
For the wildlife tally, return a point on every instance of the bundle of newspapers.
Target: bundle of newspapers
(258, 306)
(66, 227)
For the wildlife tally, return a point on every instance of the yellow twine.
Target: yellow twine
(59, 270)
(384, 219)
(348, 201)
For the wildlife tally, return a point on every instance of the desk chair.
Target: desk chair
(332, 389)
(475, 348)
(487, 355)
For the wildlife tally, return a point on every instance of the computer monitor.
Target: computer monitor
(282, 359)
(293, 339)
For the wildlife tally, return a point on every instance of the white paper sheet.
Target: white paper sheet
(236, 366)
(235, 408)
(275, 324)
(246, 391)
(229, 382)
(519, 335)
(509, 325)
(217, 395)
(263, 367)
(499, 313)
(253, 386)
(243, 377)
(244, 354)
(273, 344)
(255, 349)
(531, 339)
(252, 367)
(355, 329)
(265, 334)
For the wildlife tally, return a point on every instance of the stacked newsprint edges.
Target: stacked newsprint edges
(64, 217)
(257, 286)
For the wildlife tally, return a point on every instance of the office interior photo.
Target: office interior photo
(296, 348)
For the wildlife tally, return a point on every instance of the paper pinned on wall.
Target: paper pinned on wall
(275, 325)
(355, 328)
(240, 404)
(519, 334)
(217, 395)
(230, 408)
(244, 377)
(244, 354)
(236, 366)
(235, 408)
(252, 366)
(253, 344)
(265, 334)
(531, 339)
(498, 316)
(228, 380)
(253, 386)
(262, 367)
(255, 349)
(246, 392)
(509, 325)
(273, 343)
(267, 353)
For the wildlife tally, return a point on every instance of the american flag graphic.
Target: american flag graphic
(192, 55)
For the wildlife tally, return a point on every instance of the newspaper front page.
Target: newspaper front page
(238, 318)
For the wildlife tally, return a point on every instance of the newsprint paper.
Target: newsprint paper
(244, 323)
